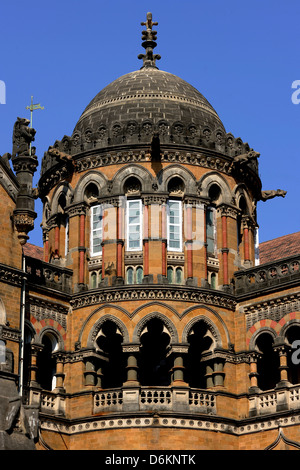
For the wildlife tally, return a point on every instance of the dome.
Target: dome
(150, 100)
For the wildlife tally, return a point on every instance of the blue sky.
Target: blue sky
(242, 56)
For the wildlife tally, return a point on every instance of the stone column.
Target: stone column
(253, 375)
(282, 350)
(205, 249)
(178, 352)
(189, 241)
(59, 371)
(36, 348)
(120, 244)
(90, 373)
(132, 351)
(146, 240)
(225, 249)
(218, 373)
(209, 375)
(164, 239)
(81, 247)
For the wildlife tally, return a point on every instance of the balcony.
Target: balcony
(273, 401)
(155, 399)
(268, 276)
(48, 275)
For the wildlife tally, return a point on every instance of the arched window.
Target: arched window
(139, 275)
(178, 276)
(170, 275)
(201, 341)
(110, 341)
(268, 364)
(213, 281)
(154, 366)
(94, 280)
(129, 275)
(46, 362)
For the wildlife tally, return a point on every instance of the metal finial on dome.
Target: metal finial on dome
(149, 38)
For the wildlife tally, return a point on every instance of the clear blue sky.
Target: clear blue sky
(242, 56)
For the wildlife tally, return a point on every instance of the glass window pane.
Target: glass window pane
(139, 275)
(130, 276)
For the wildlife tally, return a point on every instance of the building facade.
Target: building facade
(147, 320)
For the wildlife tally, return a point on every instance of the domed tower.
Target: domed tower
(149, 210)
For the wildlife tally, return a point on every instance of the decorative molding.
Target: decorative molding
(171, 293)
(11, 275)
(272, 309)
(167, 420)
(42, 309)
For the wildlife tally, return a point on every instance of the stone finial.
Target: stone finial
(149, 37)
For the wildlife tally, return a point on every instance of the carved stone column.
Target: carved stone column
(59, 371)
(282, 350)
(253, 375)
(178, 351)
(131, 350)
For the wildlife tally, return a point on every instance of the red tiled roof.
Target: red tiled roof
(33, 251)
(278, 248)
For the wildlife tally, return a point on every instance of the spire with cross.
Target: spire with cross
(149, 37)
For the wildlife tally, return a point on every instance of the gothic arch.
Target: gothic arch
(97, 327)
(155, 303)
(210, 325)
(204, 316)
(289, 323)
(50, 331)
(90, 177)
(173, 171)
(139, 172)
(212, 178)
(260, 331)
(165, 320)
(62, 188)
(240, 191)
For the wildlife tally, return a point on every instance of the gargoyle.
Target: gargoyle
(245, 158)
(58, 154)
(265, 195)
(22, 137)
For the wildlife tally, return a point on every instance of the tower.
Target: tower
(149, 323)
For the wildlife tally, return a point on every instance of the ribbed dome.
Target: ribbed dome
(148, 97)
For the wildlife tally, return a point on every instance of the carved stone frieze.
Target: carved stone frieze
(153, 293)
(11, 275)
(273, 309)
(42, 309)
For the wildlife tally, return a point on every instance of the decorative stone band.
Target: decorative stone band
(11, 275)
(274, 309)
(180, 293)
(97, 158)
(169, 420)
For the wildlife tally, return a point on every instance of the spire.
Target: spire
(149, 38)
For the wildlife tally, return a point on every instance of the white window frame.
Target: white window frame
(128, 225)
(169, 248)
(92, 230)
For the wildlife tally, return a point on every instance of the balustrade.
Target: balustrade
(267, 275)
